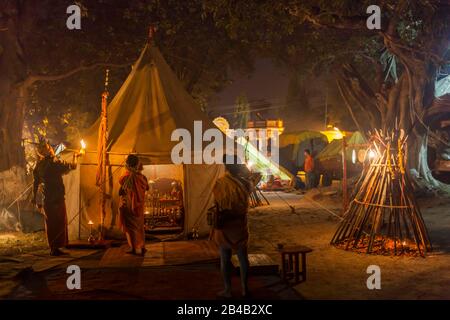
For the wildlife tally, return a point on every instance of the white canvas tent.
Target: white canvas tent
(151, 103)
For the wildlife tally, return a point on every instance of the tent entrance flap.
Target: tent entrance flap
(164, 204)
(72, 186)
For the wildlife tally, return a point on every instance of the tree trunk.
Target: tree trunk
(12, 156)
(11, 118)
(402, 106)
(419, 168)
(13, 71)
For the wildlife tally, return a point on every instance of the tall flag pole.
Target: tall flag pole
(102, 155)
(151, 33)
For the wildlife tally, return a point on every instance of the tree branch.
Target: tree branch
(399, 49)
(31, 79)
(351, 23)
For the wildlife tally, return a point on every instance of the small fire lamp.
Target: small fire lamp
(83, 147)
(91, 238)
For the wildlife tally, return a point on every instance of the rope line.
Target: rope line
(324, 208)
(381, 205)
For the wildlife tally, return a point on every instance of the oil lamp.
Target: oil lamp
(83, 147)
(91, 238)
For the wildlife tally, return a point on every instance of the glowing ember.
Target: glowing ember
(383, 246)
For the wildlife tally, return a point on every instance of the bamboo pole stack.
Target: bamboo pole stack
(383, 217)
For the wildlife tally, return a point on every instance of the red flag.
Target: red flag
(102, 141)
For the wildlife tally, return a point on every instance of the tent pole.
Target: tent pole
(104, 159)
(344, 175)
(79, 202)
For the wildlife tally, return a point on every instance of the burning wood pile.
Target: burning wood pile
(383, 217)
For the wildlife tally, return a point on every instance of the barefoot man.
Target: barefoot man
(231, 194)
(48, 172)
(133, 185)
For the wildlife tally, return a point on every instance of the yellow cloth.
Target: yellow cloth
(229, 193)
(132, 208)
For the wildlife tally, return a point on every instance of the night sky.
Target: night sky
(267, 82)
(268, 85)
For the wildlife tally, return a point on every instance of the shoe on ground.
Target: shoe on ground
(57, 253)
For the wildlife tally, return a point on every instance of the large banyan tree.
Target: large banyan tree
(385, 76)
(389, 75)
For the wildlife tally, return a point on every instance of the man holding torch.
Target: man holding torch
(49, 171)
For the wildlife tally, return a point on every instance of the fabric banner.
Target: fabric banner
(72, 186)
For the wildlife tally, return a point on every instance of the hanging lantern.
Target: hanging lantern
(353, 156)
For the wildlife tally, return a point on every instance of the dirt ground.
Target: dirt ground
(338, 274)
(332, 273)
(14, 243)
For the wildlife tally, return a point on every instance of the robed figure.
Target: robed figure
(231, 193)
(133, 185)
(48, 172)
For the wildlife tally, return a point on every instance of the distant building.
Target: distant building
(265, 133)
(258, 148)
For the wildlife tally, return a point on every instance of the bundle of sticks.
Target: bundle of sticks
(255, 195)
(383, 217)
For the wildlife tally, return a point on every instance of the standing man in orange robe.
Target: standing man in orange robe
(133, 185)
(309, 170)
(49, 171)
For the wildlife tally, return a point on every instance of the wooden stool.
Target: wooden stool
(290, 264)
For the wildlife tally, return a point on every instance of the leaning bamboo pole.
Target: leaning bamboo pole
(104, 162)
(383, 216)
